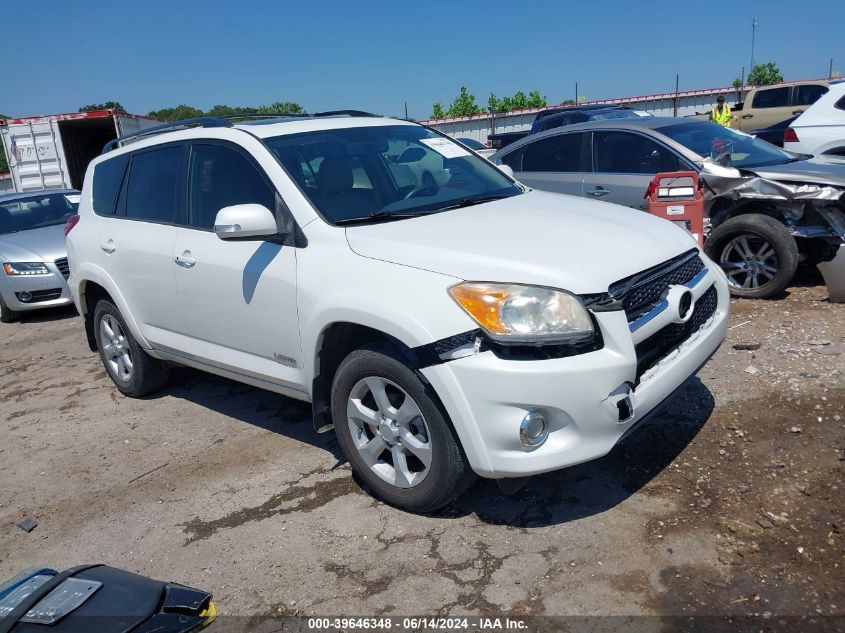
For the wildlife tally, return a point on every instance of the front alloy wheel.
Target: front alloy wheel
(389, 431)
(397, 438)
(749, 261)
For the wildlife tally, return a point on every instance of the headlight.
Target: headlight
(525, 314)
(26, 268)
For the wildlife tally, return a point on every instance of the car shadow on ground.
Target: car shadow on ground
(599, 485)
(257, 407)
(47, 315)
(553, 498)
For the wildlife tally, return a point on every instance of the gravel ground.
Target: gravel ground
(728, 502)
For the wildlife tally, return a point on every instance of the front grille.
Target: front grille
(63, 267)
(36, 296)
(643, 291)
(657, 346)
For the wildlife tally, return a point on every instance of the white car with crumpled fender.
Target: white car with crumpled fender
(474, 326)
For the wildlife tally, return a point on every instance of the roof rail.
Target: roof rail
(225, 121)
(204, 121)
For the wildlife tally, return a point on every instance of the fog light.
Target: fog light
(534, 429)
(24, 297)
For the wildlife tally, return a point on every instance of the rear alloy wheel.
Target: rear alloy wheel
(134, 372)
(394, 433)
(757, 253)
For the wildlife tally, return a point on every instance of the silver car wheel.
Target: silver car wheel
(749, 261)
(115, 348)
(389, 431)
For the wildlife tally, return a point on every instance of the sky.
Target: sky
(377, 55)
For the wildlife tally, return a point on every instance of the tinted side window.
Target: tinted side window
(107, 178)
(840, 105)
(513, 160)
(773, 98)
(808, 95)
(152, 191)
(557, 153)
(218, 177)
(623, 153)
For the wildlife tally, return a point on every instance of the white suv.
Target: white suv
(473, 326)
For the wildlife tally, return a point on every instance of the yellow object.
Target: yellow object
(722, 117)
(209, 613)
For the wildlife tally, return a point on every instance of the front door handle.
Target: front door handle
(108, 247)
(598, 192)
(185, 260)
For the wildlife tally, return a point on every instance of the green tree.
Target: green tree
(519, 101)
(536, 100)
(464, 104)
(764, 74)
(108, 105)
(568, 102)
(437, 111)
(493, 103)
(281, 107)
(176, 113)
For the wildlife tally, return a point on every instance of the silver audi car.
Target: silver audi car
(33, 254)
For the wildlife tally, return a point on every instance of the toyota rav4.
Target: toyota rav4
(444, 327)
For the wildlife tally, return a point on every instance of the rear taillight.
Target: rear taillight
(72, 221)
(790, 136)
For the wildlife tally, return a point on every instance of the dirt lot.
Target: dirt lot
(729, 502)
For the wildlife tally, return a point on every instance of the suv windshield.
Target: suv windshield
(724, 145)
(386, 172)
(36, 212)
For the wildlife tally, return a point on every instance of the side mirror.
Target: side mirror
(244, 221)
(506, 170)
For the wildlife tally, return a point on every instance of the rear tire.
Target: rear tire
(134, 372)
(389, 452)
(758, 254)
(7, 315)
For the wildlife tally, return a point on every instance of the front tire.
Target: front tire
(7, 315)
(134, 372)
(397, 439)
(758, 254)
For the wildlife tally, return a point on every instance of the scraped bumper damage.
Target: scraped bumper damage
(809, 210)
(590, 401)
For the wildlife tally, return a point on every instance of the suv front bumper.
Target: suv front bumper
(487, 397)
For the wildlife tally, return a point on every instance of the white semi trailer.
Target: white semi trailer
(53, 151)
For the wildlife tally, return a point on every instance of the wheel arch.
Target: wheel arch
(335, 342)
(89, 291)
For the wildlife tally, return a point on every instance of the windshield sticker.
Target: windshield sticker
(445, 147)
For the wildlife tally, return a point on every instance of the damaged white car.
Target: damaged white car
(766, 209)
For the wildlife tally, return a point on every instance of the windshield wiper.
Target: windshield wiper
(380, 216)
(468, 202)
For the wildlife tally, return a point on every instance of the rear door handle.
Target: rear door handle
(108, 247)
(598, 192)
(747, 116)
(185, 260)
(797, 112)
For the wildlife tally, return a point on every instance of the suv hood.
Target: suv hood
(535, 238)
(35, 245)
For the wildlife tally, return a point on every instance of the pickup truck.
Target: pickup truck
(765, 106)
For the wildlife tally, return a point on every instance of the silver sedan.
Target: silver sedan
(33, 255)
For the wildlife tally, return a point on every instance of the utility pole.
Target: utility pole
(830, 70)
(677, 78)
(753, 34)
(406, 110)
(576, 93)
